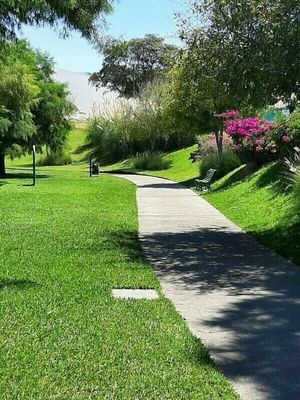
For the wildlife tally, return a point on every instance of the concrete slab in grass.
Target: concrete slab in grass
(137, 294)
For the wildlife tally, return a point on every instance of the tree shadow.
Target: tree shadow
(122, 172)
(20, 176)
(163, 185)
(242, 174)
(283, 238)
(123, 242)
(273, 178)
(248, 303)
(16, 284)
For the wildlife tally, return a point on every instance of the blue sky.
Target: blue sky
(131, 18)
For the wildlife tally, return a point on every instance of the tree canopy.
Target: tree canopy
(82, 15)
(130, 65)
(33, 108)
(243, 52)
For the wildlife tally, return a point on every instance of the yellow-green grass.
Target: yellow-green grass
(65, 244)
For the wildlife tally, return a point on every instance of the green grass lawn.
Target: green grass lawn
(261, 206)
(64, 245)
(258, 203)
(76, 139)
(181, 168)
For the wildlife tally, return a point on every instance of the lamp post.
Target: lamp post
(33, 165)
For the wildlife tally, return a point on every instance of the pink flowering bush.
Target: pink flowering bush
(252, 140)
(229, 115)
(247, 127)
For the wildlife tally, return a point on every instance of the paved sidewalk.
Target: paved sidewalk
(241, 299)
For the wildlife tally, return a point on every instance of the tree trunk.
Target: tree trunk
(219, 140)
(2, 165)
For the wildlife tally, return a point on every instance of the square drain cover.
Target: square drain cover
(139, 294)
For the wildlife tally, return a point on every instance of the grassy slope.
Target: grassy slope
(257, 204)
(75, 139)
(64, 245)
(181, 170)
(261, 206)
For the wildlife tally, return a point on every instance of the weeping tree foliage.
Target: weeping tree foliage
(82, 15)
(52, 112)
(33, 108)
(19, 93)
(129, 65)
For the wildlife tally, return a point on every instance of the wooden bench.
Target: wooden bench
(205, 182)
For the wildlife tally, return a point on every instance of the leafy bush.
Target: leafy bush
(286, 134)
(292, 173)
(262, 142)
(251, 139)
(296, 189)
(126, 128)
(292, 167)
(55, 158)
(150, 161)
(207, 144)
(224, 164)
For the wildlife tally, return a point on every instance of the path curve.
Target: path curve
(241, 299)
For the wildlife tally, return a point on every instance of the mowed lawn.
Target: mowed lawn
(181, 168)
(64, 245)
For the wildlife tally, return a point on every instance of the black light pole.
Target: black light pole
(33, 165)
(90, 167)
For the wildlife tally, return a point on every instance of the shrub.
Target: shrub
(292, 168)
(292, 173)
(286, 134)
(150, 161)
(207, 144)
(224, 164)
(55, 158)
(125, 128)
(297, 188)
(252, 139)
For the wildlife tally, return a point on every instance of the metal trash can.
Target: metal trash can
(95, 169)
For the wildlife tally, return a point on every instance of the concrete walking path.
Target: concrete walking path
(241, 299)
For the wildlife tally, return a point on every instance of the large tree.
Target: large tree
(82, 15)
(241, 54)
(129, 65)
(18, 94)
(53, 110)
(250, 47)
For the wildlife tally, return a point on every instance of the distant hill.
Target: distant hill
(82, 93)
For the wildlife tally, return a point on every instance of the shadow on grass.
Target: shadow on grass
(124, 242)
(19, 176)
(251, 297)
(16, 284)
(283, 238)
(22, 175)
(121, 172)
(240, 175)
(273, 178)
